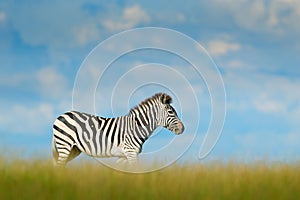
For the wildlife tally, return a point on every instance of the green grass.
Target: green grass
(38, 180)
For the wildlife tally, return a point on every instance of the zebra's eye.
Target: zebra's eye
(171, 111)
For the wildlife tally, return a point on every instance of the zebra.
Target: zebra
(75, 132)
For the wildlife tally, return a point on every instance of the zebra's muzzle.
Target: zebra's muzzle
(179, 129)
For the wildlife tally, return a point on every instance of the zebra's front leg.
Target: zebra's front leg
(121, 160)
(124, 160)
(131, 156)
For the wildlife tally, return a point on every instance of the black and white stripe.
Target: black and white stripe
(75, 132)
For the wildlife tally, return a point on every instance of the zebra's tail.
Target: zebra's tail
(54, 152)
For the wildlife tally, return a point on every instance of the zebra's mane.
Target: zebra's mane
(162, 97)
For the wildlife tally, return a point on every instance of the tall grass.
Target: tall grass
(38, 180)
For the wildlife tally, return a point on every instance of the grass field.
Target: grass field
(38, 180)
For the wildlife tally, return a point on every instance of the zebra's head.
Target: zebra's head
(168, 117)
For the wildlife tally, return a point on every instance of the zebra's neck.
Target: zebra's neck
(145, 116)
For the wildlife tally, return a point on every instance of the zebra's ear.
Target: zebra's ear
(166, 99)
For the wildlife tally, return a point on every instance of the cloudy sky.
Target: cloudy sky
(254, 44)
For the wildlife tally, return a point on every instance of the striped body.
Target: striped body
(75, 132)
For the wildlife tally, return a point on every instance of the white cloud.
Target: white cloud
(134, 12)
(181, 17)
(248, 14)
(284, 12)
(2, 17)
(86, 33)
(251, 91)
(27, 119)
(35, 116)
(272, 17)
(131, 17)
(234, 64)
(221, 47)
(47, 82)
(51, 83)
(272, 106)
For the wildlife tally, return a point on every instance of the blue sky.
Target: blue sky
(255, 45)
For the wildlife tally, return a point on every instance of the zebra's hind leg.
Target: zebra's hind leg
(61, 152)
